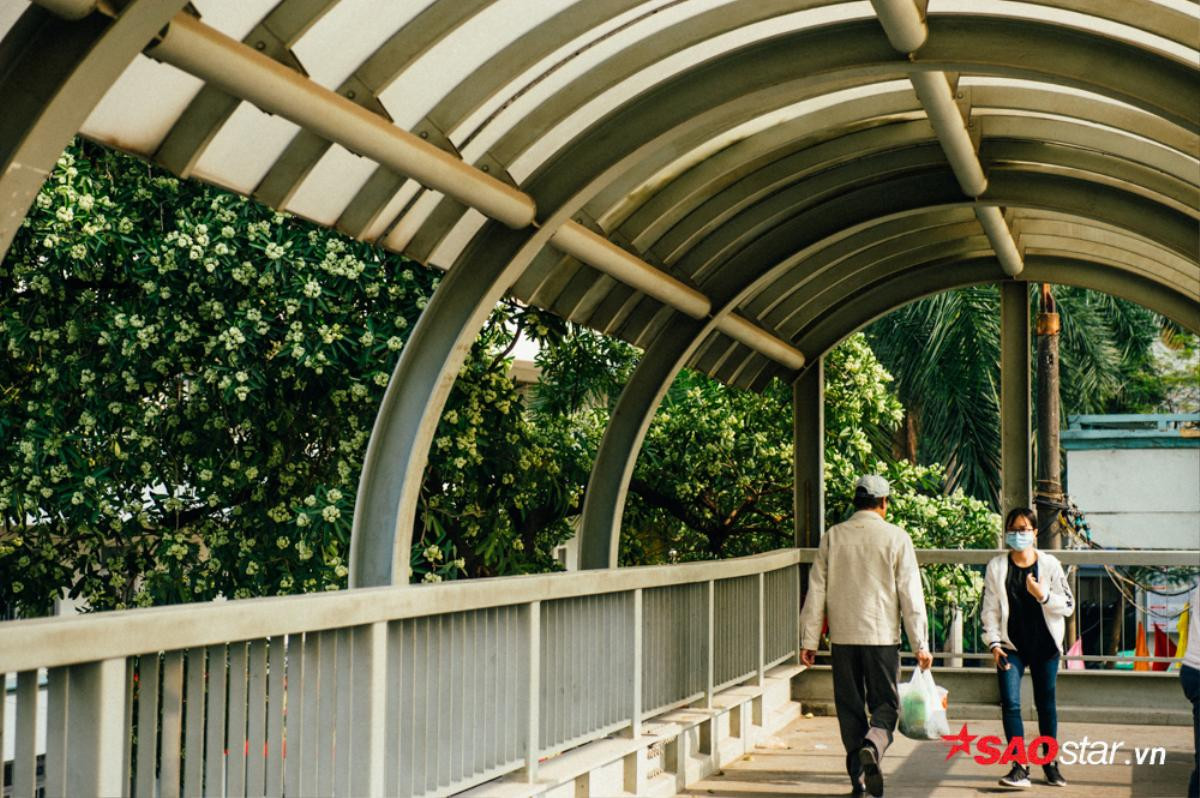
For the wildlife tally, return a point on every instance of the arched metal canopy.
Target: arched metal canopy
(734, 186)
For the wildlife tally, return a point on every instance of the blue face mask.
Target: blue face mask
(1018, 541)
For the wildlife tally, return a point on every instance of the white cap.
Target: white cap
(873, 485)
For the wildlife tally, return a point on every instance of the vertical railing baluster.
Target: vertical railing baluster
(397, 718)
(492, 720)
(326, 698)
(54, 763)
(127, 727)
(422, 654)
(95, 740)
(635, 665)
(193, 735)
(472, 700)
(761, 626)
(533, 651)
(556, 671)
(709, 642)
(214, 741)
(256, 720)
(480, 698)
(343, 733)
(413, 682)
(446, 693)
(453, 705)
(436, 718)
(372, 673)
(795, 607)
(172, 725)
(293, 732)
(235, 738)
(276, 669)
(583, 643)
(515, 704)
(147, 734)
(24, 766)
(311, 724)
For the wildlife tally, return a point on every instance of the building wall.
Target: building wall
(1138, 498)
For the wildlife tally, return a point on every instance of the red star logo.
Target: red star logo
(962, 742)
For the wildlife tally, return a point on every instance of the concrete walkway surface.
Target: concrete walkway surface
(807, 758)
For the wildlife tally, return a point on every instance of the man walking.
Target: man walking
(864, 579)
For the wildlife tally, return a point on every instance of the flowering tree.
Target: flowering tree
(715, 476)
(190, 381)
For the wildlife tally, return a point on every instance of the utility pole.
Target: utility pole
(1049, 498)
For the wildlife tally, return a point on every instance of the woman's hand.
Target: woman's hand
(1000, 658)
(1034, 588)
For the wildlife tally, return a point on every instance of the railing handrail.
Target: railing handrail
(1160, 558)
(92, 637)
(51, 642)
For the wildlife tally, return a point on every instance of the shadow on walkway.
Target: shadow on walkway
(813, 764)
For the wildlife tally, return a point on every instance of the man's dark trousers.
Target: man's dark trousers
(864, 681)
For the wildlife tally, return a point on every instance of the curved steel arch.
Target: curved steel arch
(52, 74)
(616, 458)
(880, 298)
(595, 167)
(615, 461)
(856, 50)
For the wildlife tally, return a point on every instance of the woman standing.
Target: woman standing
(1025, 601)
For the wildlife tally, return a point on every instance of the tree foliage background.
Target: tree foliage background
(190, 380)
(945, 351)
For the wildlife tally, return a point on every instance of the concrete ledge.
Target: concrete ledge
(676, 748)
(1092, 696)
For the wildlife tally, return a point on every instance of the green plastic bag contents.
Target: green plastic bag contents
(923, 708)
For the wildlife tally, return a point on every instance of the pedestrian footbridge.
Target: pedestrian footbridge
(636, 681)
(732, 186)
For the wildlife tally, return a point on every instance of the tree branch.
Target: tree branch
(657, 498)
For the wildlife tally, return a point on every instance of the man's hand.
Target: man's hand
(808, 657)
(1000, 658)
(924, 659)
(1035, 589)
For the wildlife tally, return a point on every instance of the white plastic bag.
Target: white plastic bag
(923, 708)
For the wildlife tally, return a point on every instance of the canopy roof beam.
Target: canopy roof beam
(904, 23)
(222, 61)
(198, 49)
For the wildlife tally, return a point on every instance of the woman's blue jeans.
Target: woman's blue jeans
(1044, 675)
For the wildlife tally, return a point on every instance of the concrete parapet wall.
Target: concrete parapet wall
(1091, 696)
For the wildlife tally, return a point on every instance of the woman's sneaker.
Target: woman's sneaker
(1017, 778)
(1053, 776)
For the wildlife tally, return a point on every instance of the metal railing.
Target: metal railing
(421, 690)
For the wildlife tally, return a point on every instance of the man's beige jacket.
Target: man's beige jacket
(865, 578)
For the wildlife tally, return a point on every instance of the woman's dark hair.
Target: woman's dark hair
(1021, 512)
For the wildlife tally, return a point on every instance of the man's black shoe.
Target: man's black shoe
(872, 775)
